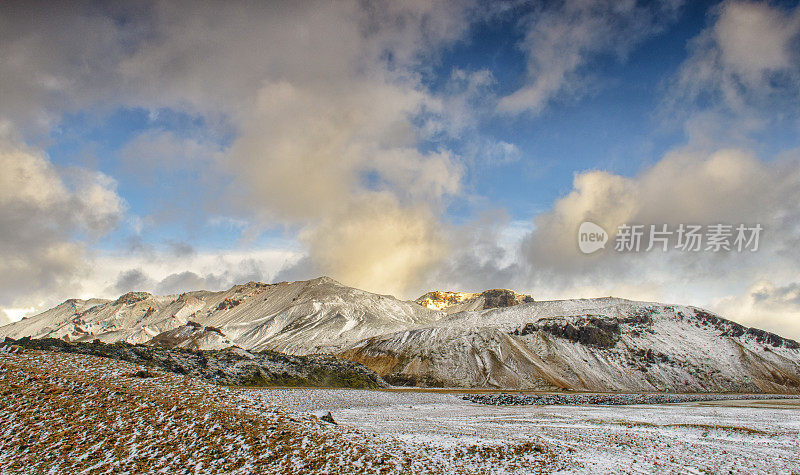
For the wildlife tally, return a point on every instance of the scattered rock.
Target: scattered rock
(325, 416)
(228, 304)
(504, 399)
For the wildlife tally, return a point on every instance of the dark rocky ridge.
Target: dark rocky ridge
(588, 330)
(187, 336)
(234, 366)
(730, 328)
(604, 332)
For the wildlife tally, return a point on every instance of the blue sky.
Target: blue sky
(398, 147)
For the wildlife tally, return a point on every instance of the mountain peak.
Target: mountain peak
(324, 279)
(441, 299)
(132, 297)
(452, 302)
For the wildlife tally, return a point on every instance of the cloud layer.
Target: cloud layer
(323, 121)
(323, 100)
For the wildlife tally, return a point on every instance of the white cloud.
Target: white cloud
(483, 254)
(5, 318)
(687, 186)
(156, 152)
(96, 201)
(8, 315)
(379, 245)
(755, 38)
(111, 274)
(562, 38)
(167, 272)
(745, 62)
(323, 159)
(727, 186)
(39, 216)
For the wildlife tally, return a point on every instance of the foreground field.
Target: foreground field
(83, 414)
(69, 413)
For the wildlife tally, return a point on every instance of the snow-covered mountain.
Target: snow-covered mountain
(315, 316)
(594, 344)
(495, 338)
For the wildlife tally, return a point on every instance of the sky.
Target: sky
(400, 147)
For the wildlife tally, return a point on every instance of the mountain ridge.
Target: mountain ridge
(283, 316)
(603, 344)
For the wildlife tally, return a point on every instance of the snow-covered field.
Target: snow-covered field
(705, 437)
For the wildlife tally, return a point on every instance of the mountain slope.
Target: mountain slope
(595, 344)
(301, 317)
